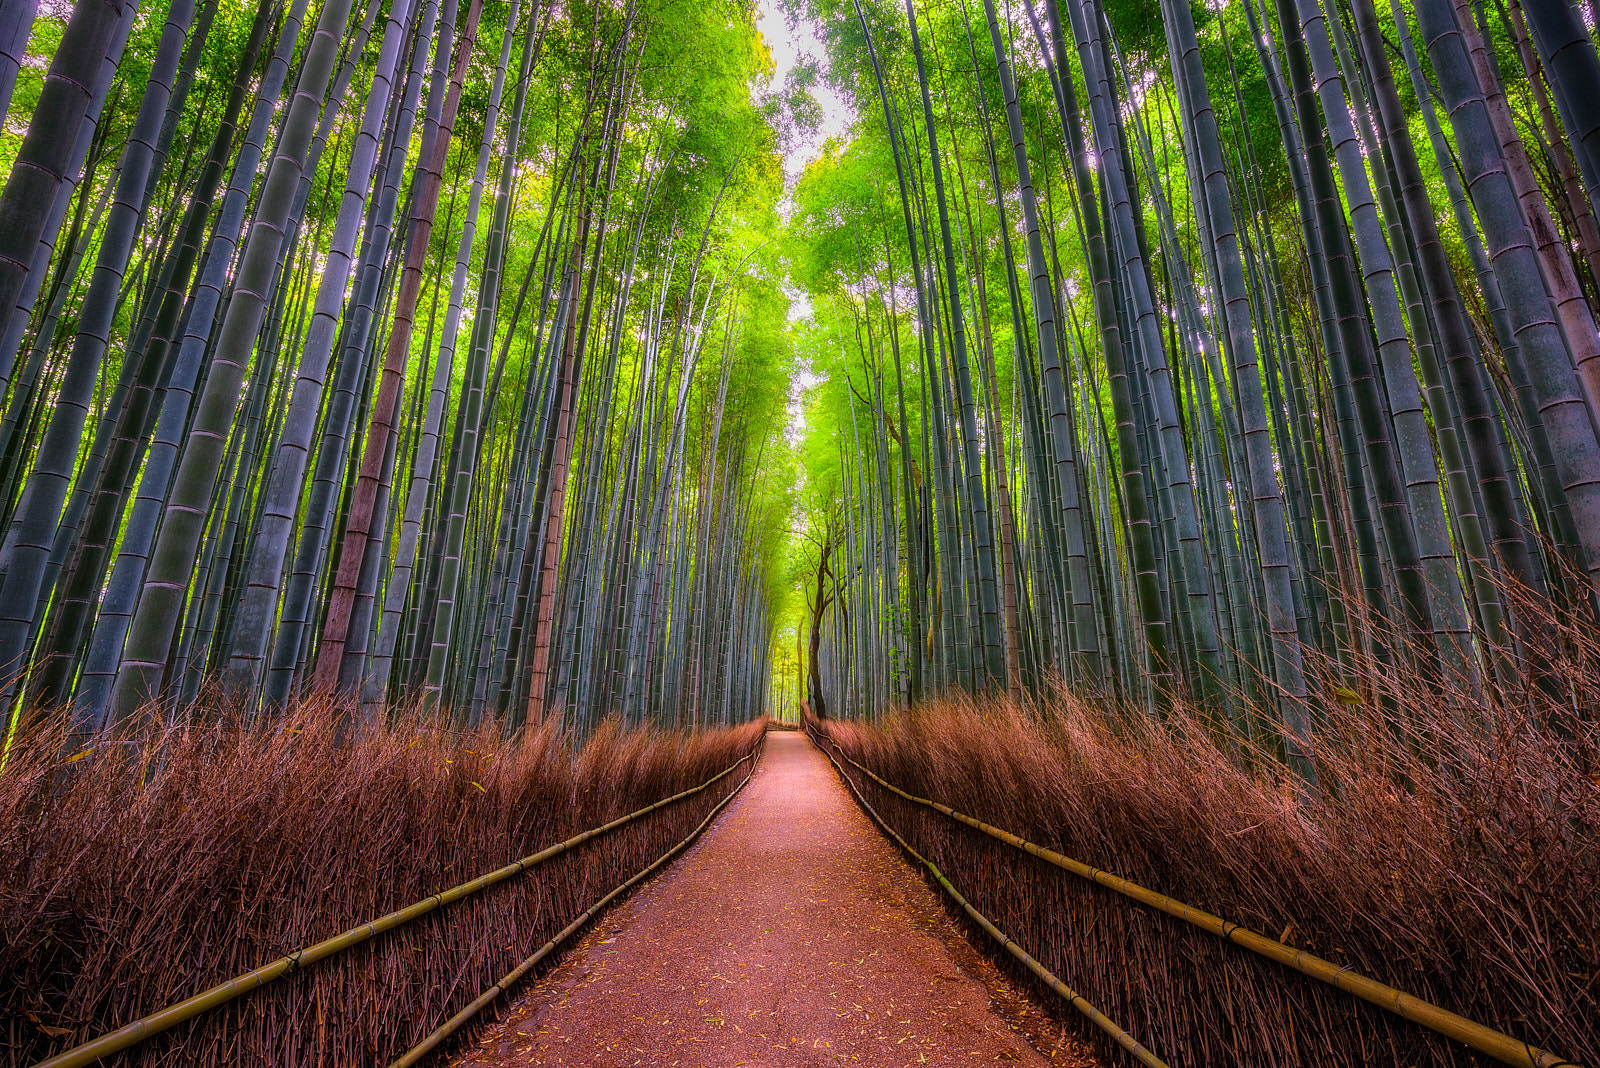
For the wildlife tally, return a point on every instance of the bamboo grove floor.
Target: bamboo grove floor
(792, 933)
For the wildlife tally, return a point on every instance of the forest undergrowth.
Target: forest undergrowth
(1453, 851)
(167, 860)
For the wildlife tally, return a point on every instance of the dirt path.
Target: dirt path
(792, 933)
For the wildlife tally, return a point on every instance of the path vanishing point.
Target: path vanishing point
(792, 933)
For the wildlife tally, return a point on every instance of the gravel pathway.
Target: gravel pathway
(792, 933)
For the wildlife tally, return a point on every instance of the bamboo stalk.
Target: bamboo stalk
(1502, 1047)
(149, 1026)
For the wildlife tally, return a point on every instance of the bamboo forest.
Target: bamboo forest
(1119, 480)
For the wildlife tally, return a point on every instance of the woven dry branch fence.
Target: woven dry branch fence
(123, 897)
(1178, 987)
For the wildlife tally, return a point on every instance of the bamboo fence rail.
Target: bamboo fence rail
(153, 1024)
(416, 1053)
(1050, 979)
(1486, 1040)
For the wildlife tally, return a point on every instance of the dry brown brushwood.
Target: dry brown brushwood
(1453, 852)
(177, 858)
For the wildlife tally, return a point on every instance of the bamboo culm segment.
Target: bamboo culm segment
(169, 1017)
(1502, 1047)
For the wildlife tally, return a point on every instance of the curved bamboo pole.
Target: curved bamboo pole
(1502, 1047)
(416, 1053)
(149, 1026)
(1098, 1018)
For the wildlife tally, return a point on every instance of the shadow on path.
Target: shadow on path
(792, 933)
